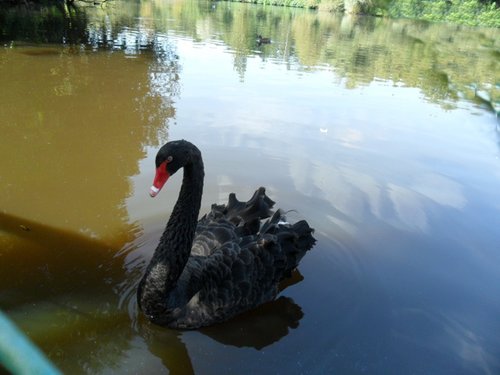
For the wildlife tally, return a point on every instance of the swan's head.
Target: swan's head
(169, 159)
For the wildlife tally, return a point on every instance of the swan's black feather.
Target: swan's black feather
(235, 263)
(229, 273)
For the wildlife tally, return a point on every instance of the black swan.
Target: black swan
(207, 271)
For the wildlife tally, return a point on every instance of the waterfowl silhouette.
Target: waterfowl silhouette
(230, 261)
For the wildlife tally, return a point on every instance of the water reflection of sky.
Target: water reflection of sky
(402, 193)
(380, 150)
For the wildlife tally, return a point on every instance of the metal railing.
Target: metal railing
(19, 355)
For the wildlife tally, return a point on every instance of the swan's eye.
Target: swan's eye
(169, 159)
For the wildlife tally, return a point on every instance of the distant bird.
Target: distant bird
(261, 40)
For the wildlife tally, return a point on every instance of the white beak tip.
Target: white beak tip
(153, 191)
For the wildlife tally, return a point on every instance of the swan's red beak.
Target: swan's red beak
(161, 177)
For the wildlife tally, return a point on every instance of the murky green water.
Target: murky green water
(381, 133)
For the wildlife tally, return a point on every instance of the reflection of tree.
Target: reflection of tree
(58, 23)
(94, 114)
(78, 122)
(416, 54)
(444, 61)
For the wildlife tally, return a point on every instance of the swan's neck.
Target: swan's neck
(174, 249)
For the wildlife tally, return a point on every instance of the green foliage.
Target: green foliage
(466, 12)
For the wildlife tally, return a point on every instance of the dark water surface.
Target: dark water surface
(382, 134)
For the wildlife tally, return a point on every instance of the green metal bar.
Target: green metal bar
(18, 354)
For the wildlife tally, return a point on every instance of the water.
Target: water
(382, 134)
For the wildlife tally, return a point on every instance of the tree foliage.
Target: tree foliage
(466, 12)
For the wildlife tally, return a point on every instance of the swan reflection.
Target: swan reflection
(258, 328)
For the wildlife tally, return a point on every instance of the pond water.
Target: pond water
(383, 134)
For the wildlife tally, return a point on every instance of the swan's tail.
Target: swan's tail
(245, 216)
(295, 239)
(257, 208)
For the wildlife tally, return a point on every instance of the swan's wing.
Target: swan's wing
(228, 223)
(246, 271)
(236, 263)
(234, 278)
(237, 276)
(211, 235)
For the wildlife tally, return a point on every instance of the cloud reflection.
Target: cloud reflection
(440, 330)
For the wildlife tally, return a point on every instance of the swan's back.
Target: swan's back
(237, 261)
